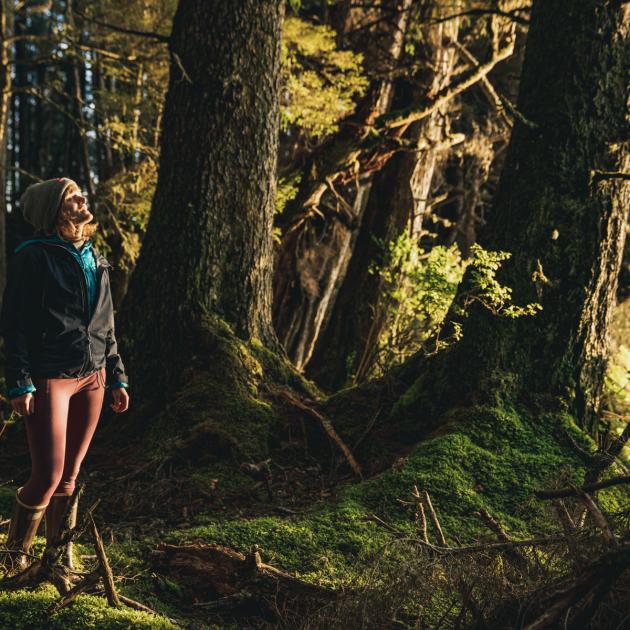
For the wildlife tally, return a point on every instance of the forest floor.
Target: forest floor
(304, 510)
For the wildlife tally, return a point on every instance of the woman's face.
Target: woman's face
(74, 207)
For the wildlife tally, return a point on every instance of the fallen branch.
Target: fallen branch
(421, 517)
(598, 517)
(464, 549)
(214, 572)
(104, 570)
(583, 592)
(434, 519)
(328, 428)
(132, 603)
(573, 491)
(493, 525)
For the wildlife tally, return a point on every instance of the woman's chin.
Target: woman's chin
(84, 219)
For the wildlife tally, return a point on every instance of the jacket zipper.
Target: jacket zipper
(85, 305)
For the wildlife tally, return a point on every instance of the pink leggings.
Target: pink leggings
(59, 433)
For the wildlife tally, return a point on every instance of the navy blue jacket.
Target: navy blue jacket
(48, 325)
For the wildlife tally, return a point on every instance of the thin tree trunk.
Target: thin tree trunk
(208, 246)
(397, 200)
(79, 78)
(5, 105)
(314, 256)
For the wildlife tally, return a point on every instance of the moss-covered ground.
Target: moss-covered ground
(491, 457)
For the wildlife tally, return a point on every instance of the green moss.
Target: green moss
(221, 409)
(281, 371)
(485, 457)
(26, 610)
(323, 547)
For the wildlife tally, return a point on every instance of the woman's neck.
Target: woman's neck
(78, 243)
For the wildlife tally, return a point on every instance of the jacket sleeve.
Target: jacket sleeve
(17, 305)
(114, 367)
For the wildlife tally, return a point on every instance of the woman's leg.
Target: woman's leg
(46, 431)
(83, 415)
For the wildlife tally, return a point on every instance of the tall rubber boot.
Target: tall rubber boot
(25, 521)
(54, 517)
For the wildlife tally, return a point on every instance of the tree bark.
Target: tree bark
(561, 214)
(208, 246)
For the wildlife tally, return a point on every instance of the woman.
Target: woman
(58, 327)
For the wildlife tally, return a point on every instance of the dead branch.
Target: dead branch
(420, 515)
(215, 572)
(104, 568)
(434, 519)
(328, 428)
(486, 85)
(512, 15)
(583, 592)
(534, 542)
(598, 517)
(405, 117)
(502, 535)
(127, 31)
(573, 491)
(87, 584)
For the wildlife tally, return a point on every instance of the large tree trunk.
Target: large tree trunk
(398, 198)
(315, 251)
(208, 247)
(561, 211)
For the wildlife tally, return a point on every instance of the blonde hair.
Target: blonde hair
(67, 229)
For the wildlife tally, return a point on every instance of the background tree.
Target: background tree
(5, 104)
(325, 299)
(208, 243)
(561, 212)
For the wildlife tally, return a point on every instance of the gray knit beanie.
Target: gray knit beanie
(41, 201)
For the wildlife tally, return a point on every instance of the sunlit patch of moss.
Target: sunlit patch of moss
(485, 457)
(28, 610)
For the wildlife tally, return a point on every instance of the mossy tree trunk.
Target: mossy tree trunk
(208, 246)
(561, 211)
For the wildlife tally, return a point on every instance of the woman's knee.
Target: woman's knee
(38, 489)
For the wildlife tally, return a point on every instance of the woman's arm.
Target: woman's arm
(114, 366)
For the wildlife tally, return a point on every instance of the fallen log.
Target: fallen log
(210, 573)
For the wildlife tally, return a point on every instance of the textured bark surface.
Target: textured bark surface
(562, 217)
(398, 196)
(208, 245)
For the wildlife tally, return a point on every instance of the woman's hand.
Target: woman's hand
(121, 400)
(24, 404)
